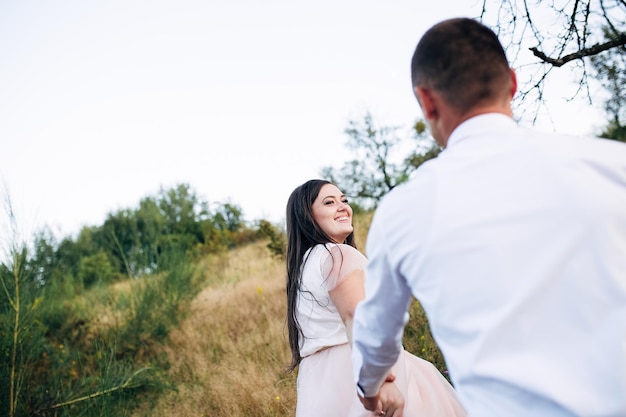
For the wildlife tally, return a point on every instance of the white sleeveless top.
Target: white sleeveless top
(319, 319)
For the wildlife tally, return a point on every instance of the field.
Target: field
(202, 337)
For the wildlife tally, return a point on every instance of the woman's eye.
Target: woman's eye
(345, 201)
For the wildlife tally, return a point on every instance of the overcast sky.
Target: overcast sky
(103, 103)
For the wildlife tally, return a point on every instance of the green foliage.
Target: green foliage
(91, 385)
(224, 229)
(383, 160)
(155, 305)
(71, 351)
(44, 261)
(416, 159)
(419, 341)
(119, 237)
(150, 224)
(20, 333)
(278, 240)
(95, 269)
(182, 211)
(71, 342)
(610, 70)
(132, 242)
(614, 131)
(228, 217)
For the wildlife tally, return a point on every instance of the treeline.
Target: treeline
(81, 318)
(133, 242)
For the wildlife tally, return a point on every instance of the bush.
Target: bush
(419, 341)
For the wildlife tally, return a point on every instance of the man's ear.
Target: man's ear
(513, 83)
(427, 102)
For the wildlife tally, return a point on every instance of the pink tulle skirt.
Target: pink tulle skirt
(326, 387)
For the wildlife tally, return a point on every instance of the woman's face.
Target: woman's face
(332, 213)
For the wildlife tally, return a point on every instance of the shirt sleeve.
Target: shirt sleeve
(379, 320)
(340, 261)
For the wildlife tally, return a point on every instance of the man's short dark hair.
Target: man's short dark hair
(462, 60)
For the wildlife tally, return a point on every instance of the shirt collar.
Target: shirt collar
(480, 125)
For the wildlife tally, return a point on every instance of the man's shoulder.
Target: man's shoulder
(422, 178)
(583, 146)
(419, 189)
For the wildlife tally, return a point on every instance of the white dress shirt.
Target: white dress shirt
(514, 243)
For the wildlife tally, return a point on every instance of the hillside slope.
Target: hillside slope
(228, 357)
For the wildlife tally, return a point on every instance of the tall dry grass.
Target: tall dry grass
(228, 357)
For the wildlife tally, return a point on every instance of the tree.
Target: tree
(383, 159)
(183, 213)
(222, 229)
(95, 269)
(45, 260)
(118, 235)
(611, 70)
(228, 217)
(558, 33)
(182, 210)
(150, 225)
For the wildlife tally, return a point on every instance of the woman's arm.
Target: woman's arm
(344, 270)
(346, 296)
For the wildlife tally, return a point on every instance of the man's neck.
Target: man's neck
(454, 120)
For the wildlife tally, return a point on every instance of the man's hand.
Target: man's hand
(388, 402)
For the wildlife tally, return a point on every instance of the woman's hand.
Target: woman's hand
(389, 402)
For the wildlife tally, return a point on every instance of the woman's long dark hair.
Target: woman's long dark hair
(302, 233)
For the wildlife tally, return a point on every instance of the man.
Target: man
(513, 241)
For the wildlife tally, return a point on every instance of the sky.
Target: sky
(105, 103)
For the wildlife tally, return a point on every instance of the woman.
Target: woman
(325, 281)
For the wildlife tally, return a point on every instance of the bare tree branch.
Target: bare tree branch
(585, 52)
(562, 32)
(607, 18)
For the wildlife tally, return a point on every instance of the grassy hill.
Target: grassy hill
(203, 336)
(228, 357)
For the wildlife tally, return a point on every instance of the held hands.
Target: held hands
(389, 402)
